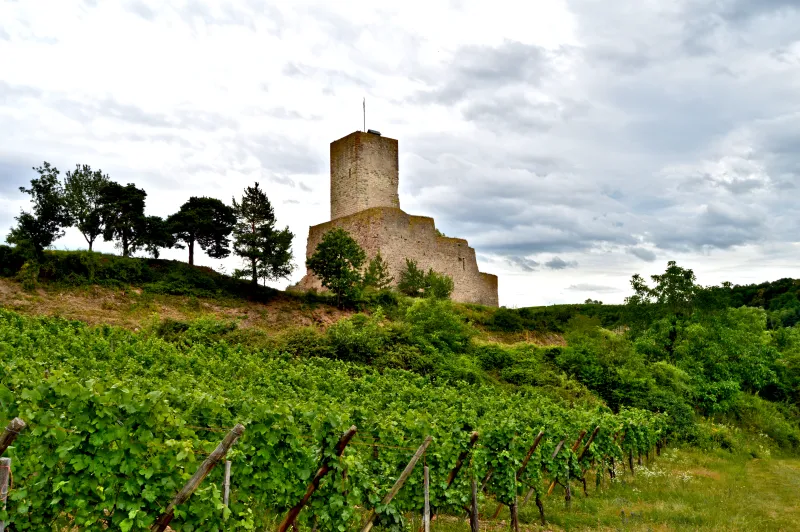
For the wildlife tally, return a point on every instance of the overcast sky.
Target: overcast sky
(573, 143)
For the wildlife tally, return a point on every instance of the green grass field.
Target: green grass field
(683, 489)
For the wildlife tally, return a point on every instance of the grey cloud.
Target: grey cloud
(304, 187)
(596, 288)
(4, 36)
(513, 112)
(642, 253)
(281, 155)
(557, 263)
(744, 10)
(14, 174)
(484, 68)
(282, 180)
(250, 14)
(142, 9)
(11, 94)
(291, 202)
(716, 226)
(332, 78)
(86, 111)
(523, 263)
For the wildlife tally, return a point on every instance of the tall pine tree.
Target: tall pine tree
(266, 251)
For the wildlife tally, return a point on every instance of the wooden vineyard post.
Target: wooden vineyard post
(426, 513)
(514, 515)
(5, 475)
(459, 463)
(473, 514)
(521, 470)
(312, 487)
(398, 484)
(630, 462)
(583, 453)
(10, 434)
(461, 457)
(574, 448)
(226, 494)
(205, 468)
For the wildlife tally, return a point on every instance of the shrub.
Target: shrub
(438, 285)
(507, 320)
(493, 357)
(412, 279)
(11, 260)
(435, 323)
(357, 339)
(305, 342)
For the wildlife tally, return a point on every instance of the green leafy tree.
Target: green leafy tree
(82, 191)
(438, 285)
(377, 275)
(412, 279)
(207, 222)
(415, 282)
(37, 230)
(672, 296)
(337, 261)
(122, 216)
(157, 234)
(674, 290)
(267, 251)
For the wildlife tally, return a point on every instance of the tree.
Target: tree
(38, 230)
(82, 190)
(415, 282)
(377, 274)
(412, 279)
(157, 234)
(438, 285)
(675, 290)
(206, 221)
(265, 249)
(337, 262)
(122, 215)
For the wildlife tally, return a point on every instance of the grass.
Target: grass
(683, 489)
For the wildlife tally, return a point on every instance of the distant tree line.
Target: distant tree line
(97, 206)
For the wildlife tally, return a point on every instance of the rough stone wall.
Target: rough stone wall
(364, 173)
(399, 236)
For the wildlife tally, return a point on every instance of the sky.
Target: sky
(573, 143)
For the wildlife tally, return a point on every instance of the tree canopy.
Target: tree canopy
(82, 193)
(337, 262)
(37, 230)
(265, 250)
(122, 214)
(205, 221)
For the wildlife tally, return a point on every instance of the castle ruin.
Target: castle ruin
(365, 203)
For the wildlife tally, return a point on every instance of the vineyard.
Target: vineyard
(118, 422)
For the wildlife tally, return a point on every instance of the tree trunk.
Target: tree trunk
(190, 245)
(90, 244)
(124, 245)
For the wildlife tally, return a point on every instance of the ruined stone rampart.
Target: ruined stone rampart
(398, 236)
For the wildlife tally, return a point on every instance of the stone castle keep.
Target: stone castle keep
(365, 203)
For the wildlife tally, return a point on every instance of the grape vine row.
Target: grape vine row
(119, 421)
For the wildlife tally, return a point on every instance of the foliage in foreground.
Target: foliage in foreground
(118, 421)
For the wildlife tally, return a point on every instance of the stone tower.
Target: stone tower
(364, 173)
(365, 203)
